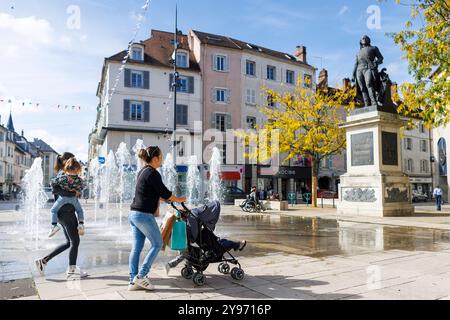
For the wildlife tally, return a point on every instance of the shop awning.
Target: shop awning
(228, 175)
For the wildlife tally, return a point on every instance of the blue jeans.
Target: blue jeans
(228, 244)
(66, 200)
(438, 202)
(143, 225)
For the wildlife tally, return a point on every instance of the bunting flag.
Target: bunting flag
(130, 43)
(28, 103)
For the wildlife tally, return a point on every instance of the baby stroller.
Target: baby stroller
(203, 245)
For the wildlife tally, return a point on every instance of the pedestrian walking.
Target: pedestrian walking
(437, 194)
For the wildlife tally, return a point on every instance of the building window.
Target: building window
(251, 96)
(183, 84)
(271, 73)
(182, 114)
(421, 128)
(221, 95)
(250, 68)
(270, 101)
(423, 166)
(408, 143)
(137, 79)
(409, 165)
(423, 145)
(307, 79)
(136, 54)
(251, 122)
(290, 76)
(136, 111)
(182, 59)
(221, 122)
(220, 63)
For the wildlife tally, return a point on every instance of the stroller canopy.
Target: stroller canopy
(208, 214)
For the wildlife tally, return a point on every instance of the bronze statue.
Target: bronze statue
(366, 74)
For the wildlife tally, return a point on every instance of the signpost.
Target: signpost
(101, 160)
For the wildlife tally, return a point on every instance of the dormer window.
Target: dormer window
(182, 60)
(137, 53)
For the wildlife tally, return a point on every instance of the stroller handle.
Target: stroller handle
(175, 207)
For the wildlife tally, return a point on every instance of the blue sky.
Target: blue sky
(45, 61)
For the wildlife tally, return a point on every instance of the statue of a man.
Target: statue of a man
(366, 72)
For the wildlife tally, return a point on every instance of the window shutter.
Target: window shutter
(146, 80)
(190, 84)
(126, 110)
(228, 121)
(213, 120)
(228, 96)
(170, 81)
(146, 111)
(213, 95)
(244, 65)
(127, 83)
(227, 64)
(214, 62)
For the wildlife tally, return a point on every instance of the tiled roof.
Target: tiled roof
(44, 147)
(227, 42)
(158, 50)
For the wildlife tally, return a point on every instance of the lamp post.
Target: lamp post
(175, 84)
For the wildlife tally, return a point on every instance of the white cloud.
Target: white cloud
(343, 10)
(69, 143)
(29, 29)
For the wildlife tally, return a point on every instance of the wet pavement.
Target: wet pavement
(105, 248)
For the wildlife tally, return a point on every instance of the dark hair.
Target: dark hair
(61, 160)
(72, 165)
(149, 153)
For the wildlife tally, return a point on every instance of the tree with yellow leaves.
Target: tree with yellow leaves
(427, 49)
(306, 122)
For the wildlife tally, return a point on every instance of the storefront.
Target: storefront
(231, 175)
(422, 185)
(284, 179)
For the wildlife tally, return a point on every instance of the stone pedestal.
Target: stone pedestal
(374, 184)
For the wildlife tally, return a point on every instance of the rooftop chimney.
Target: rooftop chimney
(323, 79)
(22, 133)
(300, 54)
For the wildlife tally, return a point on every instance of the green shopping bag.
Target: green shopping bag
(179, 240)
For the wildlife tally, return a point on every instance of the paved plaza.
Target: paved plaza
(303, 253)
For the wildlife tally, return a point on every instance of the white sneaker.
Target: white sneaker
(143, 283)
(134, 287)
(76, 272)
(40, 266)
(53, 231)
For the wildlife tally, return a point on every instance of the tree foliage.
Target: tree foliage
(427, 49)
(306, 123)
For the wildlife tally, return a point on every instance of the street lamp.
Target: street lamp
(175, 84)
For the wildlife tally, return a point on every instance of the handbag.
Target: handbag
(179, 239)
(166, 231)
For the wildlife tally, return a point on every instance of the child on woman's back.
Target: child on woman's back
(68, 180)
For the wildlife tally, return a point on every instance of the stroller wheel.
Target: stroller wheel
(199, 279)
(187, 272)
(224, 268)
(237, 273)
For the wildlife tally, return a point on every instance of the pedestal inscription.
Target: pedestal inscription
(396, 195)
(362, 149)
(389, 148)
(360, 195)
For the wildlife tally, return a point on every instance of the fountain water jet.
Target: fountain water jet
(193, 182)
(215, 191)
(123, 157)
(34, 199)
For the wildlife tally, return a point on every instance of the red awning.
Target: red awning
(231, 176)
(228, 175)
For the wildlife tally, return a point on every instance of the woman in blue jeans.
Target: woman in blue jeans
(149, 190)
